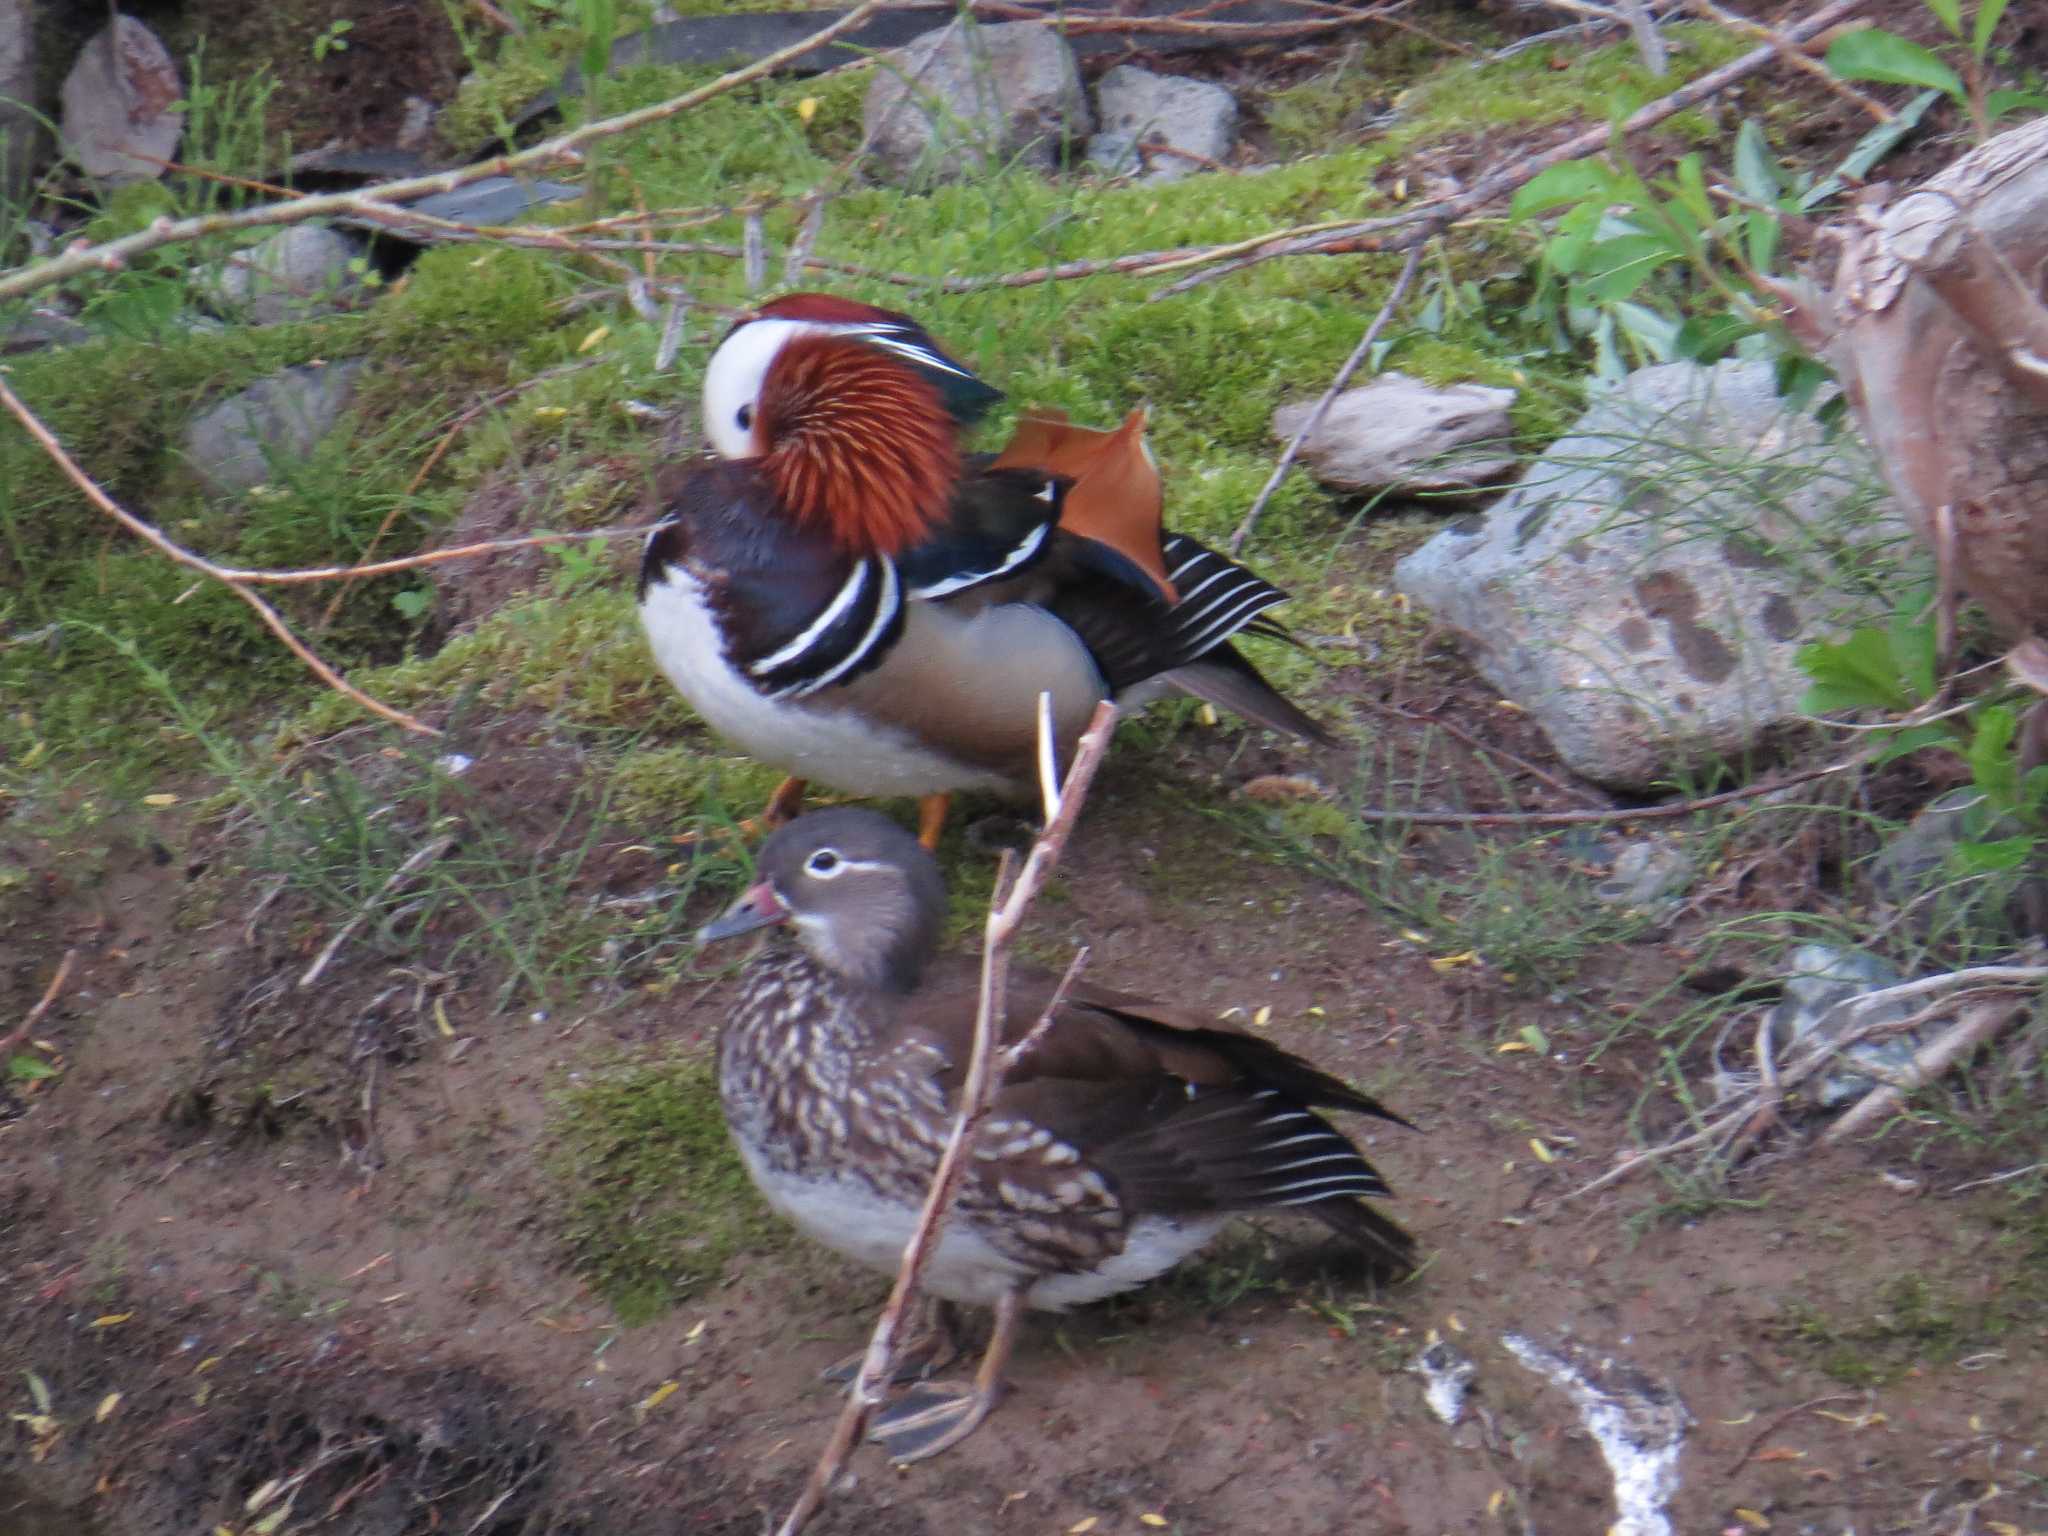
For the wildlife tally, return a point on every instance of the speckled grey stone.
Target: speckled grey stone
(964, 100)
(249, 438)
(1645, 588)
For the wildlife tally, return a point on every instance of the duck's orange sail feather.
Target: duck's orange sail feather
(1115, 498)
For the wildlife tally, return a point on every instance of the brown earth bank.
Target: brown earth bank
(348, 1291)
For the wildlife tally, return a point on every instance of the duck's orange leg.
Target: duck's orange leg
(931, 819)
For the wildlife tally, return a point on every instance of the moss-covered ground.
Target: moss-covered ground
(126, 678)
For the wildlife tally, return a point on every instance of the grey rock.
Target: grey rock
(18, 131)
(962, 101)
(1645, 873)
(294, 273)
(248, 438)
(1135, 106)
(1400, 433)
(1645, 588)
(1811, 1013)
(1914, 870)
(39, 329)
(120, 118)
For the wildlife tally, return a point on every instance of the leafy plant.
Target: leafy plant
(333, 40)
(1678, 267)
(1894, 670)
(1874, 54)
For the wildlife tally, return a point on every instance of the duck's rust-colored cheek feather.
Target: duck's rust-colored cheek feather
(857, 445)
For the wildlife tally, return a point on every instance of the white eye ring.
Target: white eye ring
(825, 864)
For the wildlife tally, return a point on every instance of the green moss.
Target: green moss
(650, 1198)
(578, 659)
(661, 785)
(1549, 85)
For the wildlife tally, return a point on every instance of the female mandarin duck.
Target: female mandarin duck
(845, 594)
(1115, 1148)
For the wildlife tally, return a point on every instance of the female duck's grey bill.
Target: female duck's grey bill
(758, 907)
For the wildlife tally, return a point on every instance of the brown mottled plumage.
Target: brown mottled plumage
(1115, 1148)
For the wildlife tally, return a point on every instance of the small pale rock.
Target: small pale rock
(959, 101)
(1645, 589)
(246, 439)
(1645, 873)
(1403, 434)
(294, 273)
(1822, 980)
(120, 113)
(1138, 107)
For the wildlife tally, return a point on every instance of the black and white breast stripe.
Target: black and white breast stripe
(1016, 559)
(1218, 597)
(852, 632)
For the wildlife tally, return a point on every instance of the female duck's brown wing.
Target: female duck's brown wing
(1182, 1118)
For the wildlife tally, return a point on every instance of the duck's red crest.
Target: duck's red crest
(857, 444)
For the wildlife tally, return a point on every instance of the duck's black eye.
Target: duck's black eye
(746, 418)
(824, 864)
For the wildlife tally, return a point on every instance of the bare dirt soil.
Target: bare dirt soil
(368, 1300)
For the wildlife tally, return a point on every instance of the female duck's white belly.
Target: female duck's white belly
(850, 1217)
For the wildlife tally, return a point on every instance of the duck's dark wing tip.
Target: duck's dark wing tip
(1225, 678)
(1385, 1242)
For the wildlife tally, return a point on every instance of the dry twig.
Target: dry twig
(418, 860)
(984, 1074)
(28, 1024)
(1755, 1111)
(271, 618)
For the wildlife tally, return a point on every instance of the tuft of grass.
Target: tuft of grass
(650, 1199)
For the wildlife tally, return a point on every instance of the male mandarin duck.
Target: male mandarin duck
(846, 594)
(1116, 1147)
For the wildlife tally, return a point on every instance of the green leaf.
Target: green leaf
(1858, 673)
(1998, 103)
(1995, 857)
(1760, 232)
(1757, 174)
(1534, 1038)
(1910, 740)
(1993, 764)
(1692, 189)
(1875, 54)
(1989, 14)
(1656, 335)
(1871, 148)
(1576, 181)
(1913, 655)
(1949, 13)
(1709, 338)
(1616, 268)
(24, 1069)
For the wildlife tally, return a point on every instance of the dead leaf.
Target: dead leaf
(2028, 663)
(1274, 788)
(105, 1411)
(655, 1399)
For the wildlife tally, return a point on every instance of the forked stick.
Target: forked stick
(984, 1074)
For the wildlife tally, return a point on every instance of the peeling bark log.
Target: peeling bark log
(1938, 328)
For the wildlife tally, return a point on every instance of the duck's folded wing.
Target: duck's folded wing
(999, 525)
